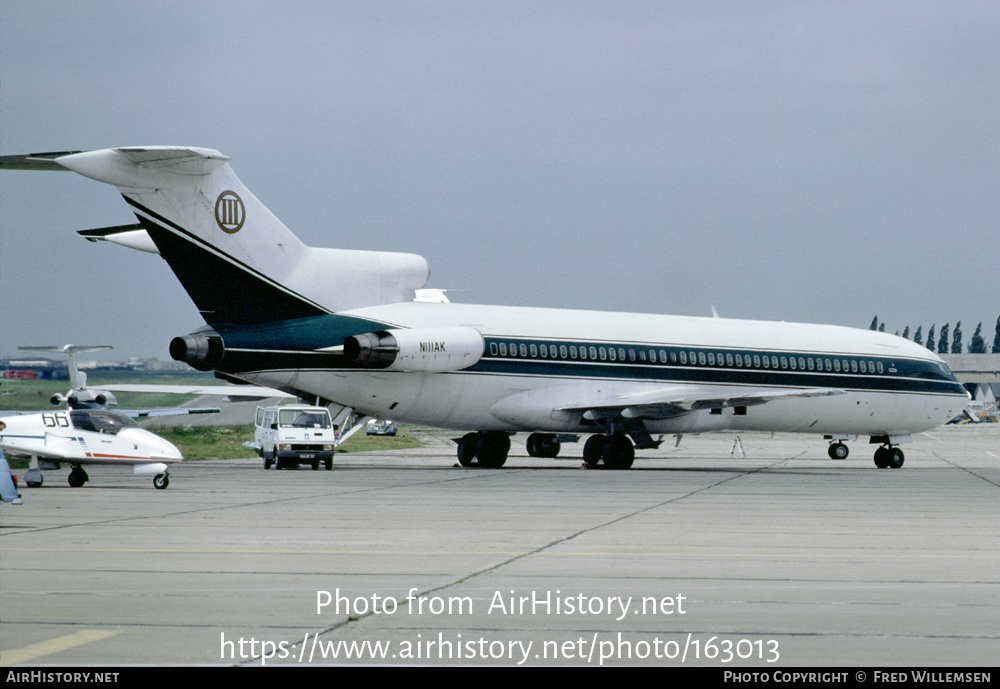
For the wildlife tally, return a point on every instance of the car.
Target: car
(381, 427)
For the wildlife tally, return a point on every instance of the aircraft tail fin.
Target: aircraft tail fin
(237, 261)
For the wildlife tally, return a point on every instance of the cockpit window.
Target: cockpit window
(100, 421)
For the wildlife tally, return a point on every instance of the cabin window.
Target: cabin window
(604, 354)
(684, 357)
(493, 349)
(534, 351)
(524, 350)
(880, 369)
(711, 358)
(701, 358)
(613, 355)
(563, 352)
(756, 361)
(631, 355)
(593, 352)
(784, 362)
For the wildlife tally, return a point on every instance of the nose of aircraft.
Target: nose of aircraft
(156, 447)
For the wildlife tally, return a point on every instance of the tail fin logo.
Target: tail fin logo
(229, 212)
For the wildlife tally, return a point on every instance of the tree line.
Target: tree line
(944, 342)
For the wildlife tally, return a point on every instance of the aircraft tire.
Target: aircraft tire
(467, 449)
(329, 465)
(493, 449)
(268, 463)
(593, 450)
(881, 458)
(549, 447)
(838, 451)
(543, 445)
(161, 481)
(33, 484)
(894, 458)
(77, 478)
(619, 453)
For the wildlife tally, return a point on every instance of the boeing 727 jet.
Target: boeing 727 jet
(343, 326)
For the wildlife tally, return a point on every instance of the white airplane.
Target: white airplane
(80, 396)
(86, 436)
(344, 326)
(79, 438)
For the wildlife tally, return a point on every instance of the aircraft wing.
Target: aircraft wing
(634, 401)
(168, 411)
(52, 448)
(664, 402)
(241, 392)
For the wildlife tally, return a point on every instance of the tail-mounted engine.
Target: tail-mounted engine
(202, 349)
(418, 349)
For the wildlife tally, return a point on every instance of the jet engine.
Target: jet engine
(85, 399)
(433, 350)
(202, 349)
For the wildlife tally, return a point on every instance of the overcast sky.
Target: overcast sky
(800, 161)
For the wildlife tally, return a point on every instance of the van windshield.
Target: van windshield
(298, 418)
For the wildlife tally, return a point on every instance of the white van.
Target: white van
(291, 434)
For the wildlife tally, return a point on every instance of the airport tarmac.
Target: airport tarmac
(694, 557)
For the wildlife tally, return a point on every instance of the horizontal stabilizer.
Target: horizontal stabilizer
(35, 161)
(131, 236)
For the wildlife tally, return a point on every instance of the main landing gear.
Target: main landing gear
(889, 457)
(886, 457)
(486, 449)
(612, 451)
(543, 445)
